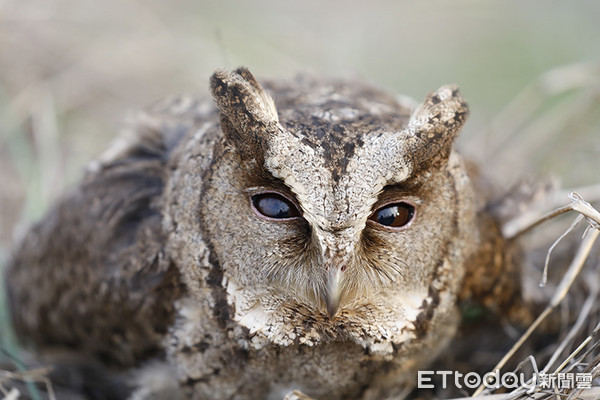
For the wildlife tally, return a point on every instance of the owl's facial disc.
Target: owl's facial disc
(335, 230)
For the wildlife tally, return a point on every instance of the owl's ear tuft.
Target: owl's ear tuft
(247, 111)
(434, 127)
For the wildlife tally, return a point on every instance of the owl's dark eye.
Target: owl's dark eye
(394, 215)
(274, 205)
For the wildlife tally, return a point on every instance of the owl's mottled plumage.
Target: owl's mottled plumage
(160, 254)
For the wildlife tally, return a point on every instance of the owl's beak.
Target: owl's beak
(334, 290)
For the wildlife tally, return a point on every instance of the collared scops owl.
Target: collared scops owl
(313, 235)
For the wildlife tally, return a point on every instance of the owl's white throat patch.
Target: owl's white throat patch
(250, 312)
(268, 321)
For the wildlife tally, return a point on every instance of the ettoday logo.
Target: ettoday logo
(509, 380)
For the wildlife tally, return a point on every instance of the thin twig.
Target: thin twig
(556, 242)
(523, 224)
(581, 319)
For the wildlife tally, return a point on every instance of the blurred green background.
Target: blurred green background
(72, 70)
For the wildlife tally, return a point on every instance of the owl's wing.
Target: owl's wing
(93, 274)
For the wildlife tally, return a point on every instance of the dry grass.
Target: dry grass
(7, 379)
(569, 354)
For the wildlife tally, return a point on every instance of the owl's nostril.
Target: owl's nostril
(343, 268)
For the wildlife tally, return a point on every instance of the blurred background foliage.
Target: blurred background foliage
(72, 70)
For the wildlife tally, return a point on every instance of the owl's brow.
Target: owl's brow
(392, 196)
(403, 188)
(252, 189)
(275, 184)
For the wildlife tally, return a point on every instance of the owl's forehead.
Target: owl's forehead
(333, 154)
(346, 107)
(338, 117)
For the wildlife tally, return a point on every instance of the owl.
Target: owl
(312, 235)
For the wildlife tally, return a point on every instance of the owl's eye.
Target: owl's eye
(394, 215)
(273, 205)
